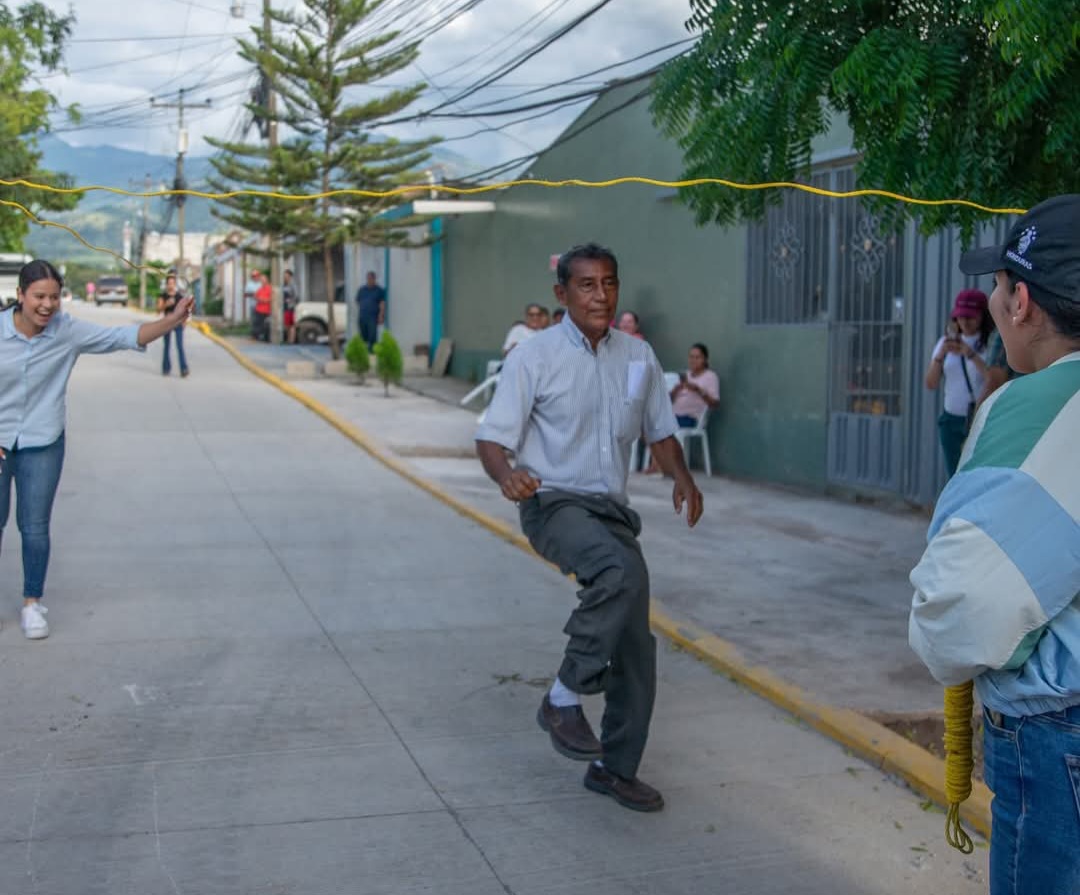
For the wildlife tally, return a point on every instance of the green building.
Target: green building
(819, 322)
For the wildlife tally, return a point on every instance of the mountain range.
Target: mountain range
(100, 216)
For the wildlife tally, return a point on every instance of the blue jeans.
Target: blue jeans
(952, 432)
(369, 328)
(36, 472)
(166, 363)
(1033, 768)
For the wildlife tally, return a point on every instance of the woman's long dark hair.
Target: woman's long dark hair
(33, 271)
(700, 346)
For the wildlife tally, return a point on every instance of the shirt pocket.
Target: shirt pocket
(630, 419)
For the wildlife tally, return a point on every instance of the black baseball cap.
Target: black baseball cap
(1043, 249)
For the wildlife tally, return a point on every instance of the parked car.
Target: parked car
(312, 325)
(110, 290)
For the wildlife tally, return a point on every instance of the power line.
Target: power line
(536, 19)
(497, 170)
(140, 38)
(524, 57)
(589, 74)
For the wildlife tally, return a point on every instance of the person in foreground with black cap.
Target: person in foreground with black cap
(997, 592)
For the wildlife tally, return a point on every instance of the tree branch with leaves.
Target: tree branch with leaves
(32, 40)
(972, 99)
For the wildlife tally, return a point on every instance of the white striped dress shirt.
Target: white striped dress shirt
(571, 415)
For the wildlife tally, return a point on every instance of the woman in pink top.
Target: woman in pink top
(698, 389)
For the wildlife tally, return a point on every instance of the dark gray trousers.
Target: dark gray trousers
(611, 649)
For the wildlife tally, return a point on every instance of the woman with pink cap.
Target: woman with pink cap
(959, 359)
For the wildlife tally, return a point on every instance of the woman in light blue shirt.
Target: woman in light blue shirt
(38, 349)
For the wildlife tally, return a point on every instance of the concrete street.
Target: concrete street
(276, 667)
(815, 589)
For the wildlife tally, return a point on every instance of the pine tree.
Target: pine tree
(319, 63)
(973, 99)
(389, 364)
(32, 39)
(357, 357)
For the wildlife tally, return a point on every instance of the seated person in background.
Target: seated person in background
(629, 323)
(557, 315)
(519, 332)
(698, 389)
(545, 317)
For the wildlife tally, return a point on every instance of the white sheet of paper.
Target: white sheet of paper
(635, 380)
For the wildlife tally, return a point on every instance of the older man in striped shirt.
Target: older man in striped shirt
(570, 403)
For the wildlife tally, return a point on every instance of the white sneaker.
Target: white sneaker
(33, 621)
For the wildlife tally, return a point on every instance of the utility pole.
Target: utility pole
(276, 310)
(179, 183)
(144, 226)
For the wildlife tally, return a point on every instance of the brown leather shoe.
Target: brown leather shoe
(632, 794)
(570, 732)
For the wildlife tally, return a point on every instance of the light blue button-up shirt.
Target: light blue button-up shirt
(34, 373)
(571, 414)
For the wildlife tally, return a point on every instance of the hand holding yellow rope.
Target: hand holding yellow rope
(959, 761)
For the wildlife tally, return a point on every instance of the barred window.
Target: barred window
(787, 259)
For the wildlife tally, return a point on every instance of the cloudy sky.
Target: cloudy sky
(124, 52)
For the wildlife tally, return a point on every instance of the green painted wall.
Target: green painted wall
(686, 283)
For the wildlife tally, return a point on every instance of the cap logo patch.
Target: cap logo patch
(1022, 245)
(1026, 239)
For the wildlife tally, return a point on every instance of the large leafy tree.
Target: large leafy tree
(319, 64)
(32, 40)
(976, 99)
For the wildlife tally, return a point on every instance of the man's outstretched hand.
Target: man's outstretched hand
(686, 493)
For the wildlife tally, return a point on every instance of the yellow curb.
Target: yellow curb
(865, 737)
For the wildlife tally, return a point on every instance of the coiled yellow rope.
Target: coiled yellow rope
(959, 761)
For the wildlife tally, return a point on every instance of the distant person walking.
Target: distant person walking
(371, 305)
(38, 348)
(260, 317)
(289, 301)
(570, 403)
(166, 304)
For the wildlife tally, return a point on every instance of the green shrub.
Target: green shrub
(356, 356)
(389, 364)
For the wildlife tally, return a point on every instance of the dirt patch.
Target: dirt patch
(928, 731)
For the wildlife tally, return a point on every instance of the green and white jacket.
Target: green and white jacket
(997, 592)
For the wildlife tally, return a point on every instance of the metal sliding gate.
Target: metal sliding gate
(866, 344)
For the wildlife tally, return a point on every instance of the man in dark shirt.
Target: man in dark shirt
(371, 300)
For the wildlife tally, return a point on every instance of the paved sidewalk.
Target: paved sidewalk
(277, 667)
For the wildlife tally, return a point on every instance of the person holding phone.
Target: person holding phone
(39, 345)
(698, 389)
(166, 303)
(959, 361)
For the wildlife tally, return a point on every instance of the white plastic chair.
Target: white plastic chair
(699, 431)
(487, 387)
(670, 381)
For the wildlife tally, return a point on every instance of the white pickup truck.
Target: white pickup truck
(312, 324)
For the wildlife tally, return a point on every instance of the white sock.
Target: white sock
(561, 697)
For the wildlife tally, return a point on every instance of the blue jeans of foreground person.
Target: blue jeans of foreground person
(36, 473)
(1033, 768)
(166, 362)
